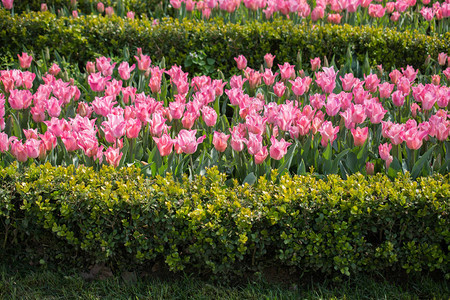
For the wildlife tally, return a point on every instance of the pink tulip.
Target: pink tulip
(333, 105)
(190, 5)
(100, 7)
(25, 60)
(414, 138)
(18, 150)
(133, 127)
(376, 10)
(175, 3)
(186, 142)
(358, 113)
(54, 70)
(398, 98)
(427, 13)
(436, 79)
(317, 13)
(8, 4)
(348, 81)
(209, 116)
(241, 62)
(48, 140)
(384, 150)
(103, 105)
(114, 127)
(236, 82)
(395, 76)
(390, 6)
(269, 77)
(157, 124)
(360, 135)
(109, 11)
(20, 99)
(315, 63)
(254, 77)
(164, 144)
(370, 168)
(410, 73)
(371, 82)
(261, 155)
(130, 15)
(279, 89)
(300, 85)
(385, 89)
(394, 18)
(326, 80)
(32, 148)
(403, 85)
(268, 58)
(287, 71)
(125, 70)
(4, 143)
(53, 107)
(104, 66)
(278, 149)
(254, 143)
(220, 141)
(347, 116)
(113, 156)
(238, 137)
(97, 82)
(90, 67)
(144, 62)
(396, 133)
(75, 14)
(442, 58)
(328, 133)
(256, 124)
(69, 139)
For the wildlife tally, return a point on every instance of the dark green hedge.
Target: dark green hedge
(81, 39)
(334, 226)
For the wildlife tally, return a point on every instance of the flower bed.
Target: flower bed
(290, 120)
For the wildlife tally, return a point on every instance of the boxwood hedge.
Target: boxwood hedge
(79, 40)
(331, 226)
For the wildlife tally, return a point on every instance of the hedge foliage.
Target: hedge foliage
(332, 226)
(81, 39)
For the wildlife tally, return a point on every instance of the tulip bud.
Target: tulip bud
(370, 168)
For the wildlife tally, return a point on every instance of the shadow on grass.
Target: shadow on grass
(21, 281)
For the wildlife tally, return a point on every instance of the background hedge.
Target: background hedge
(80, 40)
(330, 226)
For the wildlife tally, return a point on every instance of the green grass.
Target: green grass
(25, 282)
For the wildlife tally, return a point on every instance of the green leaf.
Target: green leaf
(301, 170)
(288, 160)
(327, 153)
(418, 166)
(250, 179)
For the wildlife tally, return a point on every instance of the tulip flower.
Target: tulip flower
(241, 62)
(360, 135)
(164, 144)
(220, 141)
(24, 60)
(268, 58)
(278, 149)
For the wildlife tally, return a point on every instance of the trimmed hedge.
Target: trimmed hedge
(79, 40)
(332, 226)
